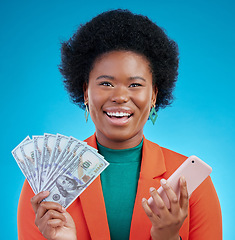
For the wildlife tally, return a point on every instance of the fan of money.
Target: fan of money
(62, 165)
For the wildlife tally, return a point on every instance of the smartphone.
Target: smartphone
(195, 172)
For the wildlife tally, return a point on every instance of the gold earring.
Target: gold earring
(86, 111)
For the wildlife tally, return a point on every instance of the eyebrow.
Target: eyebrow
(137, 77)
(112, 78)
(105, 76)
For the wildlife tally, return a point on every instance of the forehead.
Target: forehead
(121, 60)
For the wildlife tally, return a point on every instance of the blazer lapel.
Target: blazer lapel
(152, 167)
(94, 207)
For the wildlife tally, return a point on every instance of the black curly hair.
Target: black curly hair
(119, 30)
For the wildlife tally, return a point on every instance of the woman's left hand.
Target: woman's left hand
(167, 223)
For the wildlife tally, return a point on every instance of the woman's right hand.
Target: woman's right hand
(52, 220)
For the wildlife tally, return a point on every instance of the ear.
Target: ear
(85, 91)
(154, 94)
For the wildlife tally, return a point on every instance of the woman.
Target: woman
(122, 68)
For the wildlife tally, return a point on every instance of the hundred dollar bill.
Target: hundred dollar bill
(60, 143)
(61, 158)
(65, 164)
(85, 167)
(38, 146)
(17, 154)
(51, 146)
(27, 150)
(48, 146)
(72, 148)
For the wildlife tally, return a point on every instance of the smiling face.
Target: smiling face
(120, 94)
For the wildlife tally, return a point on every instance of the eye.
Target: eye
(108, 84)
(135, 85)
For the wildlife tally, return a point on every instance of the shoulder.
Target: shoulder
(166, 152)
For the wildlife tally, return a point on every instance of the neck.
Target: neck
(119, 143)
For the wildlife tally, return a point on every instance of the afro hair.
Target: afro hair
(119, 30)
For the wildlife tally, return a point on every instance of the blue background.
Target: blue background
(33, 100)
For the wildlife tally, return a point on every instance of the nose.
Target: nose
(120, 94)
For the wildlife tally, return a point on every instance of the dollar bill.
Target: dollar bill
(87, 165)
(38, 147)
(17, 154)
(27, 151)
(63, 165)
(59, 146)
(48, 145)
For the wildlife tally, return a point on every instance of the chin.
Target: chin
(121, 136)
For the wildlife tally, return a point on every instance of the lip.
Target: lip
(118, 116)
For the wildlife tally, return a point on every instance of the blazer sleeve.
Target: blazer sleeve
(205, 213)
(27, 230)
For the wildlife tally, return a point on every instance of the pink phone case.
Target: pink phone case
(195, 172)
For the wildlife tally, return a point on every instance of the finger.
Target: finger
(51, 227)
(48, 230)
(153, 217)
(184, 199)
(69, 220)
(36, 200)
(54, 223)
(42, 219)
(46, 206)
(158, 201)
(173, 199)
(52, 214)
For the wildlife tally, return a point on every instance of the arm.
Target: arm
(205, 213)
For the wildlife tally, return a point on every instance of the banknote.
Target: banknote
(66, 162)
(27, 151)
(38, 146)
(17, 154)
(60, 143)
(63, 165)
(85, 167)
(48, 145)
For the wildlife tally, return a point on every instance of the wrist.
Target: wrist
(172, 238)
(176, 238)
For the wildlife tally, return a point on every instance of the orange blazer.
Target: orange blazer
(204, 221)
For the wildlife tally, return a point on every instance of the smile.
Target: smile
(118, 117)
(118, 114)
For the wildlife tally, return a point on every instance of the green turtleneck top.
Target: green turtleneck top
(119, 184)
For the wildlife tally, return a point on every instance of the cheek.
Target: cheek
(95, 101)
(143, 100)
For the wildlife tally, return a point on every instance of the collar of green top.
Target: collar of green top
(121, 155)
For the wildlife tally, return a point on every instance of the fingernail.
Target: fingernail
(63, 209)
(45, 192)
(163, 181)
(152, 189)
(144, 199)
(182, 179)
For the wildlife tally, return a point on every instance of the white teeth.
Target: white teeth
(118, 114)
